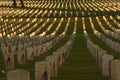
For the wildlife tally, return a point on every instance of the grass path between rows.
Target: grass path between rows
(80, 65)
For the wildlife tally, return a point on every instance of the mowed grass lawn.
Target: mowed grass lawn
(80, 65)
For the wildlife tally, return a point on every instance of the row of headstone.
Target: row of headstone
(37, 50)
(39, 29)
(16, 29)
(47, 68)
(77, 5)
(92, 25)
(51, 44)
(98, 6)
(113, 45)
(106, 60)
(31, 12)
(100, 55)
(22, 12)
(31, 53)
(62, 53)
(111, 4)
(44, 70)
(108, 32)
(13, 41)
(94, 6)
(53, 34)
(115, 21)
(18, 74)
(109, 24)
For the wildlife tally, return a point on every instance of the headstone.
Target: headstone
(9, 47)
(13, 49)
(117, 47)
(4, 50)
(30, 53)
(100, 54)
(113, 45)
(59, 58)
(115, 69)
(36, 50)
(105, 64)
(39, 49)
(96, 49)
(9, 61)
(21, 57)
(20, 46)
(42, 70)
(52, 60)
(64, 56)
(44, 48)
(18, 75)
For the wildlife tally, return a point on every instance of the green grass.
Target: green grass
(80, 65)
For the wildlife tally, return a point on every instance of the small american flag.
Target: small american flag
(32, 55)
(53, 70)
(45, 76)
(23, 58)
(8, 63)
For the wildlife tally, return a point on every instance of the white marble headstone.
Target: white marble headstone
(18, 75)
(42, 70)
(100, 54)
(13, 48)
(52, 60)
(30, 53)
(115, 69)
(21, 57)
(105, 64)
(4, 50)
(59, 58)
(9, 61)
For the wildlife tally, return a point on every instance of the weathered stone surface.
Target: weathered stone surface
(9, 61)
(21, 57)
(105, 64)
(42, 70)
(100, 54)
(18, 75)
(52, 60)
(115, 69)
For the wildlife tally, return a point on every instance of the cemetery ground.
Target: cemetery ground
(75, 31)
(97, 41)
(79, 65)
